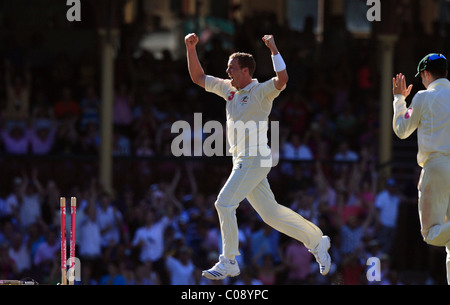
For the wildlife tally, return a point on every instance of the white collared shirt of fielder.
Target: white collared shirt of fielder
(429, 113)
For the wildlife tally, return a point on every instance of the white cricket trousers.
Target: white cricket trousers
(248, 179)
(434, 204)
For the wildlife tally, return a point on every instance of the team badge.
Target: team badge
(408, 113)
(244, 100)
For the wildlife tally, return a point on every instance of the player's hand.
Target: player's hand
(269, 41)
(399, 85)
(191, 40)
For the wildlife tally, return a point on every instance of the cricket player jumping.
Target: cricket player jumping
(247, 100)
(429, 112)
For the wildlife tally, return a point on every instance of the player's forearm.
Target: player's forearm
(279, 65)
(280, 69)
(273, 49)
(282, 77)
(195, 68)
(400, 124)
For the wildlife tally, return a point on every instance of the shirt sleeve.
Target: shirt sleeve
(269, 90)
(405, 119)
(219, 86)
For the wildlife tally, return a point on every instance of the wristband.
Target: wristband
(278, 63)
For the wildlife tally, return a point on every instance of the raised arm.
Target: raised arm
(405, 120)
(279, 66)
(195, 68)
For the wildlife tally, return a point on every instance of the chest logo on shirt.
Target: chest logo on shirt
(244, 100)
(408, 113)
(231, 96)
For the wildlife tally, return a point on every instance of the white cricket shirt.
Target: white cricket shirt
(247, 112)
(429, 112)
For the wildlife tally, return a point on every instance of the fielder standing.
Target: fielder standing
(429, 113)
(247, 100)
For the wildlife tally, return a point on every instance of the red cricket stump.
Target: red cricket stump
(73, 220)
(62, 210)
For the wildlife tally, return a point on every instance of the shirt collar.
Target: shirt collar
(439, 81)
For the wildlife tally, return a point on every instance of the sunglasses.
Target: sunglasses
(435, 57)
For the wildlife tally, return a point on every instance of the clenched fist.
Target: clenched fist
(269, 41)
(191, 40)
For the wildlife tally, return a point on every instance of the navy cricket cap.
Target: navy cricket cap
(432, 60)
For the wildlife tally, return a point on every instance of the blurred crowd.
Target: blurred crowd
(166, 230)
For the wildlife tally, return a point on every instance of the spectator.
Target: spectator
(123, 109)
(20, 254)
(42, 139)
(263, 241)
(326, 192)
(296, 113)
(268, 272)
(42, 112)
(67, 107)
(296, 149)
(145, 123)
(297, 261)
(89, 107)
(87, 277)
(63, 70)
(300, 181)
(149, 240)
(351, 223)
(50, 206)
(46, 252)
(15, 140)
(113, 277)
(352, 233)
(121, 144)
(30, 207)
(109, 220)
(68, 139)
(34, 238)
(7, 231)
(144, 275)
(11, 205)
(18, 92)
(345, 153)
(144, 147)
(352, 270)
(8, 267)
(90, 239)
(90, 139)
(366, 196)
(181, 269)
(347, 123)
(387, 203)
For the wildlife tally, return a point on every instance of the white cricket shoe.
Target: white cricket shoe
(321, 254)
(224, 268)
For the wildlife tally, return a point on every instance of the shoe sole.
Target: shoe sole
(327, 246)
(210, 276)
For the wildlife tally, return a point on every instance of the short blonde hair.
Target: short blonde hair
(245, 60)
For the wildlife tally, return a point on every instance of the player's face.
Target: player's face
(235, 73)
